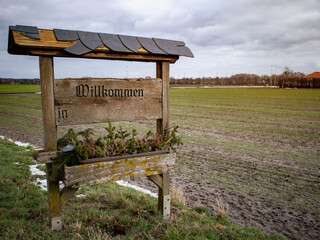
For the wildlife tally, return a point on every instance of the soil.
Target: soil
(289, 218)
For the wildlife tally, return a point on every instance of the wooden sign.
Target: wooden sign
(83, 101)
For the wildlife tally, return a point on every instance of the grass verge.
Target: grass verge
(107, 212)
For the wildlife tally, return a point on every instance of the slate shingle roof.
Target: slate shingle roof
(89, 41)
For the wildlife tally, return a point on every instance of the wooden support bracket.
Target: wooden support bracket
(162, 181)
(65, 194)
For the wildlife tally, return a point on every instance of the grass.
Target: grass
(259, 144)
(19, 88)
(107, 212)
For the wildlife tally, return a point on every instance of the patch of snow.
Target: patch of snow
(21, 144)
(42, 183)
(80, 195)
(140, 189)
(35, 171)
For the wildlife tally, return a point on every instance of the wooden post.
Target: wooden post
(163, 73)
(164, 196)
(50, 137)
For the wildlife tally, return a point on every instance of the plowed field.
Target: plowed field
(253, 152)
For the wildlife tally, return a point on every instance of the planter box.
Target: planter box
(121, 169)
(102, 170)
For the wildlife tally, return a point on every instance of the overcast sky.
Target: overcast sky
(226, 36)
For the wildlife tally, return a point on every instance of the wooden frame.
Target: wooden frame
(56, 198)
(47, 44)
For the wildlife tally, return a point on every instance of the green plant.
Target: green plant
(117, 142)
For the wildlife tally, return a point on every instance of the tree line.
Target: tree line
(287, 79)
(250, 80)
(19, 81)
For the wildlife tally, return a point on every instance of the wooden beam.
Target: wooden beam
(50, 138)
(164, 195)
(162, 71)
(106, 55)
(122, 169)
(156, 179)
(66, 193)
(47, 40)
(44, 157)
(48, 112)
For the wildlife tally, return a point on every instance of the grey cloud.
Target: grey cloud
(236, 31)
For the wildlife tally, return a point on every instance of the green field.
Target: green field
(19, 88)
(256, 151)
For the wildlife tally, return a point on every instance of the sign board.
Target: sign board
(83, 101)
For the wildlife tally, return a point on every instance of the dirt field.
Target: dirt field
(253, 152)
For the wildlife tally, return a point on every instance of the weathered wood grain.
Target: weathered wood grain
(50, 137)
(123, 169)
(66, 194)
(44, 157)
(47, 40)
(156, 179)
(115, 110)
(103, 54)
(104, 90)
(46, 77)
(82, 101)
(162, 71)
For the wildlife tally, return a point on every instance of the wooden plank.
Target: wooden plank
(102, 90)
(163, 73)
(66, 193)
(163, 196)
(47, 96)
(163, 193)
(156, 179)
(104, 55)
(166, 184)
(48, 157)
(122, 169)
(115, 110)
(113, 158)
(47, 40)
(80, 101)
(44, 157)
(50, 137)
